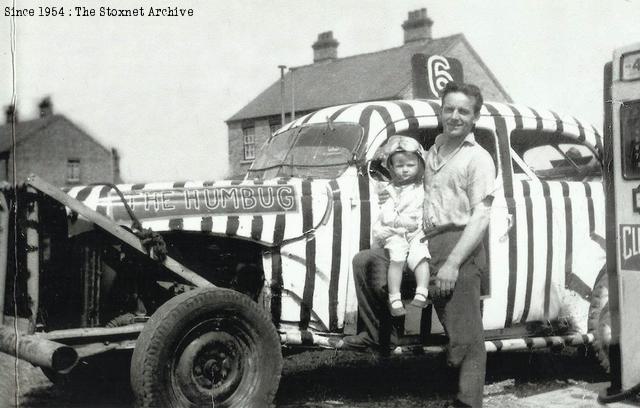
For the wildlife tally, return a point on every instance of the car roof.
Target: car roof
(399, 115)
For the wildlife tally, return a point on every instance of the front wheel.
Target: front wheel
(207, 347)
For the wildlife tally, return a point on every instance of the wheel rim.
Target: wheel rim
(211, 360)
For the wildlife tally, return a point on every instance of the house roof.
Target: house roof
(23, 130)
(26, 129)
(364, 77)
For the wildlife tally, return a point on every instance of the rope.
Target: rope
(150, 240)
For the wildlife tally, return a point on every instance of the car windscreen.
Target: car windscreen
(322, 150)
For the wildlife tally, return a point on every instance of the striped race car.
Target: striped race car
(286, 234)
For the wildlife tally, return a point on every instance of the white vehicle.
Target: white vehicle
(278, 248)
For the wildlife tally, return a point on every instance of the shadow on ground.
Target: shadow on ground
(347, 379)
(361, 380)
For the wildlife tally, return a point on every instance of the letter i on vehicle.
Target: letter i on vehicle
(263, 264)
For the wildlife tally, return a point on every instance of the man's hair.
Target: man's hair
(470, 90)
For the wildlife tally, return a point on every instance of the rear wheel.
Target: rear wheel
(600, 321)
(207, 347)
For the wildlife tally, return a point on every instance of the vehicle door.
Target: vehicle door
(552, 190)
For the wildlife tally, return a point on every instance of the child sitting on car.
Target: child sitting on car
(399, 225)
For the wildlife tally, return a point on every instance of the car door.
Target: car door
(560, 186)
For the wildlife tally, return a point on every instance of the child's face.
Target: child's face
(404, 165)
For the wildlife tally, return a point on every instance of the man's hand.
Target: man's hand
(446, 279)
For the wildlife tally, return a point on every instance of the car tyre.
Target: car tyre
(207, 347)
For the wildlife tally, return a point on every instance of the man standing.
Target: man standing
(459, 186)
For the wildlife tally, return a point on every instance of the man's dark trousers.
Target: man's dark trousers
(460, 313)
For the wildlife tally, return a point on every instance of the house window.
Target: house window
(249, 143)
(73, 171)
(274, 127)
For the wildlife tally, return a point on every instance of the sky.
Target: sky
(159, 89)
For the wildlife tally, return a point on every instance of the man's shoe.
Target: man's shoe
(359, 342)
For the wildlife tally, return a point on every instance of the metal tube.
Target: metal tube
(114, 229)
(38, 351)
(33, 257)
(96, 283)
(309, 338)
(94, 333)
(282, 118)
(84, 278)
(293, 93)
(4, 248)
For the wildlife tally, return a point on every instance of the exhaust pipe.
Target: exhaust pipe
(38, 351)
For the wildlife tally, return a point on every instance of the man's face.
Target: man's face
(457, 114)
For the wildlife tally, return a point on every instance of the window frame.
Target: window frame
(73, 167)
(527, 173)
(249, 143)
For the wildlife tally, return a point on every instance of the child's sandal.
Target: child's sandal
(396, 308)
(420, 300)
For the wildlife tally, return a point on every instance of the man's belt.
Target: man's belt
(432, 231)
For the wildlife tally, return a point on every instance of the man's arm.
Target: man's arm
(471, 236)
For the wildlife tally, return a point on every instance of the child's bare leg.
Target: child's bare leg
(422, 274)
(422, 282)
(394, 276)
(394, 280)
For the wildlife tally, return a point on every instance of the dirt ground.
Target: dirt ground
(342, 379)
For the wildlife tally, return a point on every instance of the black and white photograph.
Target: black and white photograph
(355, 204)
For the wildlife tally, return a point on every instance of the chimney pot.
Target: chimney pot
(45, 107)
(116, 166)
(417, 27)
(325, 48)
(11, 114)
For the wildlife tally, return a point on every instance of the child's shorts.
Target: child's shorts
(412, 251)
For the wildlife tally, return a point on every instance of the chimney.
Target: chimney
(116, 166)
(45, 107)
(326, 48)
(11, 114)
(417, 27)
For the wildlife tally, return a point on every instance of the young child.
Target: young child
(399, 225)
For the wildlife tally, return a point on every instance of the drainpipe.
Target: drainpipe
(282, 68)
(293, 93)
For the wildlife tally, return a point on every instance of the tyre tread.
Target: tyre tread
(162, 322)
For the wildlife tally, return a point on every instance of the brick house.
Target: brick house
(55, 149)
(330, 80)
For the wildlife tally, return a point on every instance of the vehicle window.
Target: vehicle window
(426, 136)
(319, 150)
(487, 139)
(556, 157)
(484, 137)
(517, 169)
